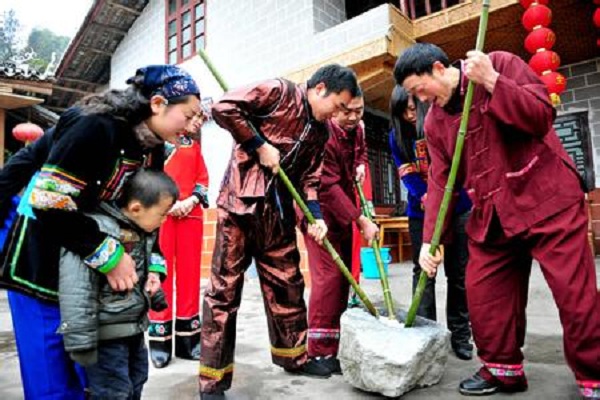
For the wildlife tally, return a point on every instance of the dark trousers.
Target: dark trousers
(121, 370)
(498, 280)
(456, 257)
(271, 240)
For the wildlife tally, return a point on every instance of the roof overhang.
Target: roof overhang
(85, 66)
(9, 101)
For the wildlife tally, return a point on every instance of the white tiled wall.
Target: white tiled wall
(143, 45)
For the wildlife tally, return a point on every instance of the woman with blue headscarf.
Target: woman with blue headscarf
(95, 149)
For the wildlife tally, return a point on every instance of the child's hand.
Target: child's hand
(153, 283)
(123, 276)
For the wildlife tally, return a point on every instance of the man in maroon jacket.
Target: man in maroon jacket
(256, 217)
(345, 160)
(528, 203)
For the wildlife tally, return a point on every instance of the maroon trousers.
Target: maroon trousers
(272, 243)
(497, 282)
(328, 295)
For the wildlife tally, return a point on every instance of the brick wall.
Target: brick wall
(328, 13)
(583, 94)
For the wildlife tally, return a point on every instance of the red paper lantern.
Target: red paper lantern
(555, 82)
(541, 38)
(537, 15)
(543, 61)
(597, 2)
(27, 132)
(527, 3)
(597, 17)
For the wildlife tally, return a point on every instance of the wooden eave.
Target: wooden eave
(86, 63)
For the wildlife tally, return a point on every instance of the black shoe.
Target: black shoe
(463, 351)
(312, 368)
(160, 352)
(212, 396)
(187, 347)
(333, 364)
(477, 385)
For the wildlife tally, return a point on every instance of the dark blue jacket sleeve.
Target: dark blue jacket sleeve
(413, 182)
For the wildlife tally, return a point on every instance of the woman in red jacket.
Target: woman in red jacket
(181, 243)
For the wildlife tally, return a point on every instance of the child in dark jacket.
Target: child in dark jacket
(103, 329)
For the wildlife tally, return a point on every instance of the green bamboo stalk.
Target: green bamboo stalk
(460, 141)
(387, 294)
(311, 219)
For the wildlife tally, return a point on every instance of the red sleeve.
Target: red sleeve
(362, 156)
(201, 183)
(202, 177)
(343, 209)
(439, 169)
(520, 99)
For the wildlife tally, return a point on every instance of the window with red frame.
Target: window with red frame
(184, 29)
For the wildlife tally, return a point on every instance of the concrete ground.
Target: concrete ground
(256, 378)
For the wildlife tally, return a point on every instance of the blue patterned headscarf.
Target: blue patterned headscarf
(166, 80)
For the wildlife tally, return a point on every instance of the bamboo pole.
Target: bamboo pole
(311, 219)
(460, 141)
(387, 294)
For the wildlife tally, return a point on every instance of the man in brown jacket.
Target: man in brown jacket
(256, 216)
(528, 203)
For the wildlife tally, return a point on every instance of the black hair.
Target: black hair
(406, 133)
(131, 104)
(148, 187)
(418, 59)
(336, 78)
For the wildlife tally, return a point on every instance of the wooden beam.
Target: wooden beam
(28, 86)
(8, 101)
(97, 51)
(78, 81)
(130, 10)
(457, 15)
(110, 28)
(72, 90)
(404, 7)
(57, 109)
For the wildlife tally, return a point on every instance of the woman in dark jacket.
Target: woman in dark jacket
(409, 149)
(94, 150)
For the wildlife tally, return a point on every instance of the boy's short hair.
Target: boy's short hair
(336, 78)
(148, 187)
(418, 59)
